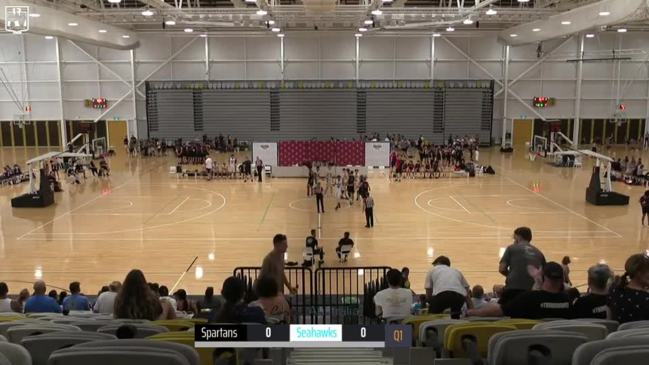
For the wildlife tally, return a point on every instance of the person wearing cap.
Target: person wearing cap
(593, 304)
(549, 302)
(515, 262)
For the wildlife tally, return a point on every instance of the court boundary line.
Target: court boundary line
(178, 206)
(460, 204)
(564, 207)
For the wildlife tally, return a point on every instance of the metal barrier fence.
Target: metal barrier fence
(333, 295)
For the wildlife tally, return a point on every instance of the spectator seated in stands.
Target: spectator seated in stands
(209, 304)
(105, 303)
(39, 302)
(184, 304)
(234, 310)
(5, 301)
(629, 297)
(446, 288)
(76, 301)
(272, 302)
(549, 302)
(593, 304)
(136, 300)
(394, 303)
(478, 297)
(163, 294)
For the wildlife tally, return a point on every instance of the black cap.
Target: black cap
(553, 270)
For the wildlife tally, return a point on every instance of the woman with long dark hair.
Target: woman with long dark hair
(629, 297)
(135, 300)
(234, 310)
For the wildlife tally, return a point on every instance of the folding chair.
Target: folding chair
(308, 256)
(345, 250)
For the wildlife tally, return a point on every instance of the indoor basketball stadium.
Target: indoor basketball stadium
(288, 182)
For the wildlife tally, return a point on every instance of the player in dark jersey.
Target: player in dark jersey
(644, 203)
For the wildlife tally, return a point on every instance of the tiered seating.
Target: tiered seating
(338, 357)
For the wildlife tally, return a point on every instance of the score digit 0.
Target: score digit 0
(363, 332)
(269, 332)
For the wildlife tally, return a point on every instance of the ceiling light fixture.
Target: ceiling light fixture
(377, 12)
(188, 30)
(491, 12)
(114, 1)
(203, 35)
(358, 35)
(251, 1)
(261, 12)
(536, 30)
(73, 24)
(126, 36)
(566, 22)
(34, 15)
(621, 30)
(102, 31)
(49, 37)
(387, 1)
(513, 35)
(276, 30)
(170, 22)
(147, 12)
(281, 35)
(523, 1)
(436, 35)
(362, 29)
(369, 22)
(590, 35)
(271, 22)
(467, 21)
(450, 29)
(604, 13)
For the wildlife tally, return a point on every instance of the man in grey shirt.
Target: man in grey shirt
(515, 261)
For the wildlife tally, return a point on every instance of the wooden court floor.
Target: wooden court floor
(144, 218)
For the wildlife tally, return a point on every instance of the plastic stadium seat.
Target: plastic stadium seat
(592, 330)
(630, 325)
(4, 360)
(16, 354)
(121, 356)
(11, 316)
(4, 326)
(143, 330)
(17, 333)
(186, 338)
(485, 319)
(534, 347)
(611, 325)
(634, 332)
(416, 321)
(471, 339)
(175, 324)
(43, 315)
(585, 353)
(431, 333)
(519, 323)
(41, 346)
(188, 352)
(622, 355)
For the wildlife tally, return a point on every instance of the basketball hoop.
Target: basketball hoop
(21, 120)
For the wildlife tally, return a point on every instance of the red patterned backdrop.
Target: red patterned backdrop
(341, 153)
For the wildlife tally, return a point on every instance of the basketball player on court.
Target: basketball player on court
(232, 166)
(259, 164)
(209, 167)
(644, 203)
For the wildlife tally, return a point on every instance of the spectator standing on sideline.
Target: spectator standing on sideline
(369, 211)
(273, 264)
(319, 197)
(566, 269)
(259, 164)
(345, 241)
(209, 167)
(515, 261)
(395, 302)
(39, 302)
(629, 297)
(593, 304)
(644, 204)
(446, 288)
(106, 301)
(75, 301)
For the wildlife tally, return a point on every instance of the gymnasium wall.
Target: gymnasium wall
(322, 55)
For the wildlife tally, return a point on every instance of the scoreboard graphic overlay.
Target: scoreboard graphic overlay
(302, 335)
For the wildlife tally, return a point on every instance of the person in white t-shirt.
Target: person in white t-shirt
(209, 167)
(5, 301)
(447, 288)
(394, 303)
(106, 301)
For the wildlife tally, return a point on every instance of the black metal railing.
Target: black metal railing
(341, 295)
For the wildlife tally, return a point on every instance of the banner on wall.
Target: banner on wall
(377, 154)
(267, 151)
